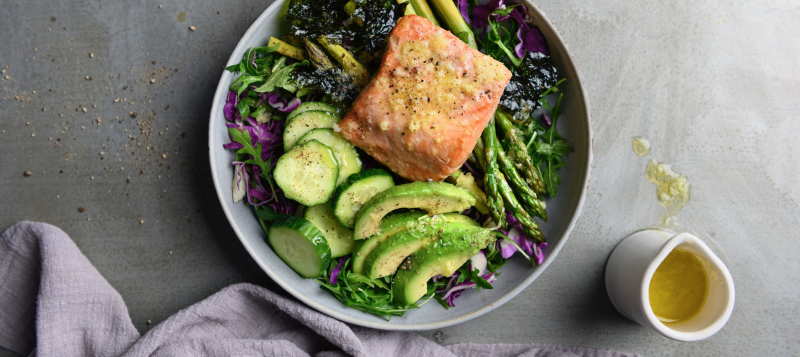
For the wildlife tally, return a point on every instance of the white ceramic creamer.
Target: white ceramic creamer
(631, 267)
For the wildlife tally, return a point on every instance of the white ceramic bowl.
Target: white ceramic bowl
(575, 125)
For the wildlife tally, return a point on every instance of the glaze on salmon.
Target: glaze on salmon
(425, 109)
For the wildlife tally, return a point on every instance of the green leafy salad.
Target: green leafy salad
(378, 242)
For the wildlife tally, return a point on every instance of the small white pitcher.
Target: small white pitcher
(632, 265)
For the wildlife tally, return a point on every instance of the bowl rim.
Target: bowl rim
(220, 187)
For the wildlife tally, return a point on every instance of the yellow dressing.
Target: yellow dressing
(641, 146)
(679, 287)
(672, 189)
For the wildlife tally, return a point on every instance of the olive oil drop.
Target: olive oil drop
(679, 287)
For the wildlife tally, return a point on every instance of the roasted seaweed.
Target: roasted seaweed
(532, 78)
(316, 18)
(333, 82)
(378, 18)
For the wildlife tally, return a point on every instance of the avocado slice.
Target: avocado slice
(442, 257)
(387, 256)
(389, 225)
(433, 197)
(392, 225)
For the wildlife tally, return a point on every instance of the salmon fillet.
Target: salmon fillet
(425, 109)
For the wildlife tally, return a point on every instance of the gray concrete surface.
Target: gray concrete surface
(714, 86)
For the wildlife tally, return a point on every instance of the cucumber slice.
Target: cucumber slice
(300, 245)
(307, 173)
(355, 191)
(340, 239)
(315, 107)
(303, 123)
(344, 152)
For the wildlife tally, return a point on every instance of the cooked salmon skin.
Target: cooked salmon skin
(425, 108)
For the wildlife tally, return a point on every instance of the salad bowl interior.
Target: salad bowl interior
(575, 126)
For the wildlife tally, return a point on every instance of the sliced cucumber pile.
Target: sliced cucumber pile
(304, 122)
(340, 239)
(300, 245)
(357, 190)
(344, 152)
(307, 173)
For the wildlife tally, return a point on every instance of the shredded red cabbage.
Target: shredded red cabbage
(481, 13)
(452, 290)
(527, 244)
(230, 106)
(270, 135)
(276, 101)
(463, 8)
(478, 262)
(529, 36)
(337, 270)
(546, 118)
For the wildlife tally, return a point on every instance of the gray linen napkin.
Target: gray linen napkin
(53, 302)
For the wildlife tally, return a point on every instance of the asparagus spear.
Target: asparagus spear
(480, 153)
(287, 49)
(494, 198)
(346, 59)
(409, 8)
(455, 22)
(317, 55)
(520, 153)
(421, 8)
(529, 227)
(529, 198)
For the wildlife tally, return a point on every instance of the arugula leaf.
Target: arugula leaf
(552, 148)
(235, 68)
(505, 11)
(504, 43)
(267, 213)
(441, 302)
(479, 281)
(243, 82)
(279, 78)
(373, 296)
(244, 139)
(244, 106)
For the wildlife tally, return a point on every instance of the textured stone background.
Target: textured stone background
(714, 86)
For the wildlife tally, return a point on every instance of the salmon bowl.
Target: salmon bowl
(575, 126)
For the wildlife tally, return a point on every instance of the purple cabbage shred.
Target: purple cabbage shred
(463, 8)
(270, 135)
(452, 291)
(546, 119)
(529, 36)
(280, 104)
(337, 270)
(528, 245)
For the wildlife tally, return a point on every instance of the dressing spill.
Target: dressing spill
(679, 287)
(672, 189)
(641, 146)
